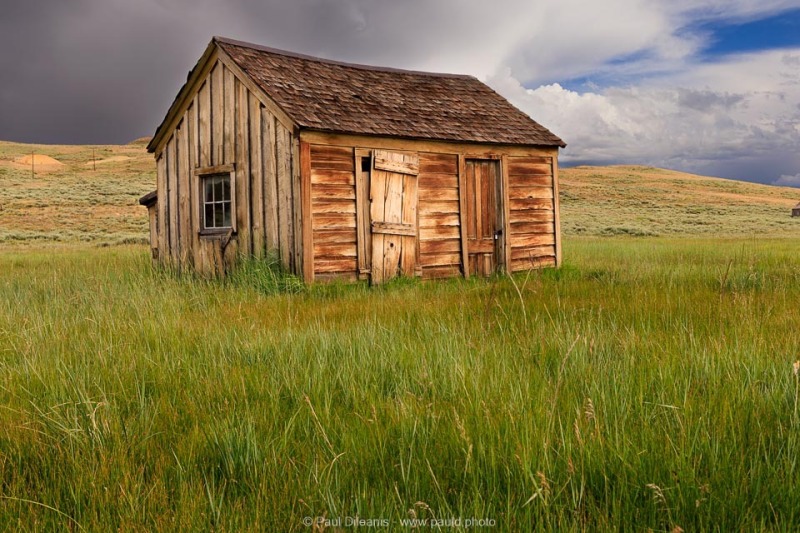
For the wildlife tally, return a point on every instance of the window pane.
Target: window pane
(209, 218)
(209, 190)
(226, 188)
(217, 189)
(218, 215)
(227, 216)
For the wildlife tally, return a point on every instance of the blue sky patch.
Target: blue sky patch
(778, 31)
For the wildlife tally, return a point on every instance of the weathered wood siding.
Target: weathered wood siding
(152, 217)
(225, 123)
(333, 211)
(439, 220)
(528, 208)
(531, 202)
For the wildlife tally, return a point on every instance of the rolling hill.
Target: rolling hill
(89, 194)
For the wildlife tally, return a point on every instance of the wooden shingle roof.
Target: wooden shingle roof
(331, 96)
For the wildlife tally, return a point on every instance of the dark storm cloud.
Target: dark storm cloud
(105, 71)
(84, 71)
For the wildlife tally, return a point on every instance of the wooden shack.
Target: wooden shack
(796, 211)
(349, 171)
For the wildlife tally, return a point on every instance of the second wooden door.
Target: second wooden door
(484, 235)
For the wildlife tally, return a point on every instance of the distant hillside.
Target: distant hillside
(77, 196)
(634, 200)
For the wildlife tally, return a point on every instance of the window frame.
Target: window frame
(208, 173)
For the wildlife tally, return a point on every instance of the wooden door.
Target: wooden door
(484, 235)
(393, 214)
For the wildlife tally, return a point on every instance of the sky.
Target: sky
(704, 86)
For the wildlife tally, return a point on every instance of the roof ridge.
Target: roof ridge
(261, 48)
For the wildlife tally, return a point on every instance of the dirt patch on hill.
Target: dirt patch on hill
(40, 163)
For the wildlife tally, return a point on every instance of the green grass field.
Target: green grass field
(647, 385)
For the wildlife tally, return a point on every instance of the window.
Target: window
(217, 203)
(216, 196)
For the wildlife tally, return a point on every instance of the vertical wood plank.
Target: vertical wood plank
(307, 217)
(194, 130)
(284, 167)
(184, 212)
(392, 247)
(297, 209)
(172, 180)
(229, 118)
(161, 204)
(270, 185)
(556, 209)
(204, 120)
(363, 233)
(408, 260)
(256, 177)
(152, 219)
(506, 214)
(217, 115)
(193, 190)
(462, 212)
(242, 186)
(377, 213)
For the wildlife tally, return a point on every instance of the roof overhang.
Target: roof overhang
(149, 199)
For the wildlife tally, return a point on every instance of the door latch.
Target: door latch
(497, 234)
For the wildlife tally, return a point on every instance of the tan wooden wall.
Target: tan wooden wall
(530, 202)
(226, 123)
(532, 212)
(333, 206)
(439, 221)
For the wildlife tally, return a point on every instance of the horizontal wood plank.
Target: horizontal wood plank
(334, 237)
(435, 195)
(441, 164)
(520, 228)
(426, 207)
(218, 169)
(530, 203)
(530, 180)
(333, 164)
(394, 228)
(332, 251)
(335, 220)
(341, 192)
(519, 193)
(439, 247)
(332, 177)
(437, 181)
(324, 264)
(429, 157)
(529, 160)
(426, 147)
(516, 167)
(532, 240)
(531, 215)
(442, 232)
(333, 205)
(528, 252)
(320, 152)
(393, 162)
(433, 220)
(440, 259)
